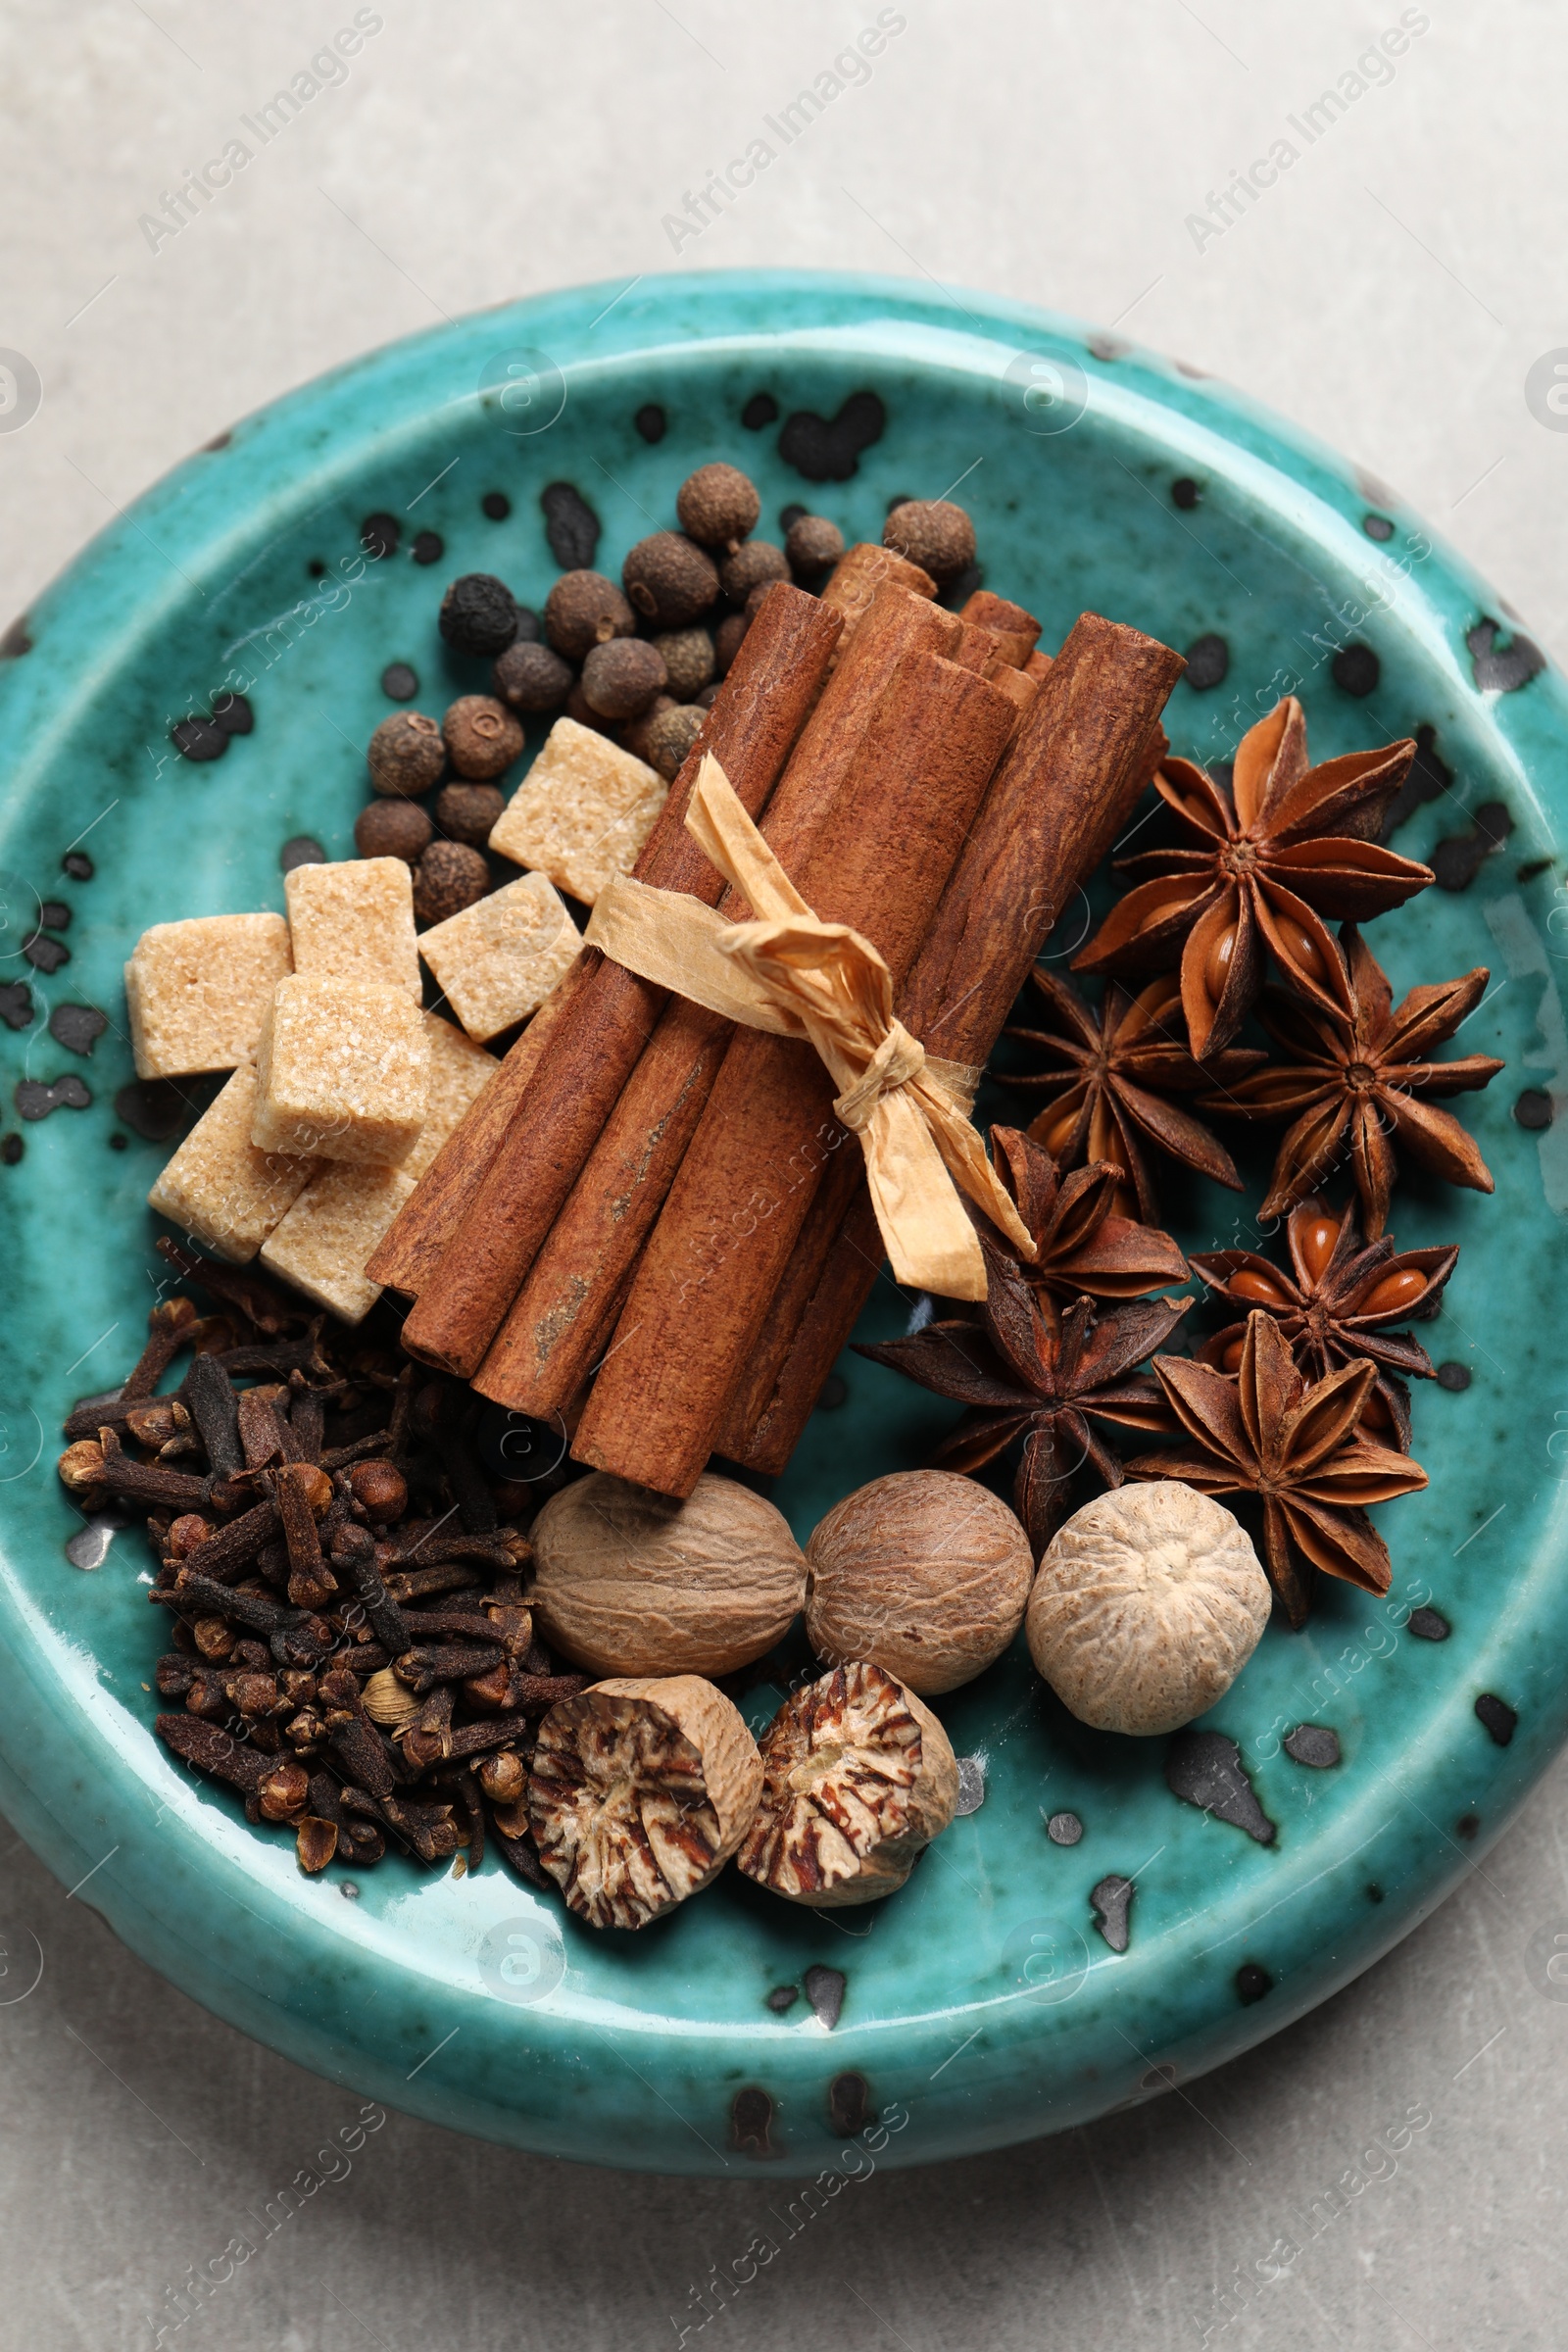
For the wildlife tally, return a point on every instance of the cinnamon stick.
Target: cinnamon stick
(1065, 788)
(751, 729)
(410, 1251)
(565, 1313)
(859, 579)
(880, 861)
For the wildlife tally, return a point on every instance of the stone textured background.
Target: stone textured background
(1392, 292)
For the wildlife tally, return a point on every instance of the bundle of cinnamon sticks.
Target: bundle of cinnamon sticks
(653, 1223)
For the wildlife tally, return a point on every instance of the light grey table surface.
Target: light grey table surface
(1392, 292)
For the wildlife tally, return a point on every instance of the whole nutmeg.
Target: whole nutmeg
(479, 614)
(468, 811)
(811, 545)
(670, 580)
(932, 532)
(924, 1573)
(718, 505)
(727, 640)
(1148, 1605)
(532, 677)
(380, 1490)
(628, 1582)
(622, 678)
(393, 829)
(406, 754)
(671, 737)
(584, 610)
(634, 735)
(688, 658)
(448, 877)
(482, 736)
(757, 565)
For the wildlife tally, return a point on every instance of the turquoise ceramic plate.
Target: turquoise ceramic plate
(983, 2004)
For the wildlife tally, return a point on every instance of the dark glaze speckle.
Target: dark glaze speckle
(849, 2105)
(570, 525)
(379, 535)
(783, 1997)
(1205, 1769)
(1453, 1376)
(1110, 1902)
(45, 954)
(825, 1989)
(1356, 669)
(1429, 777)
(1185, 493)
(78, 1027)
(1064, 1829)
(15, 641)
(761, 409)
(1506, 670)
(1500, 1720)
(1533, 1108)
(153, 1108)
(750, 2117)
(1457, 861)
(651, 423)
(1208, 660)
(1377, 527)
(35, 1101)
(1429, 1625)
(1252, 1983)
(828, 449)
(1313, 1743)
(15, 1005)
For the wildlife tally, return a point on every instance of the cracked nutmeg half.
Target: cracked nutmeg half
(1287, 845)
(857, 1777)
(1339, 1300)
(1113, 1070)
(640, 1792)
(1348, 1085)
(1294, 1445)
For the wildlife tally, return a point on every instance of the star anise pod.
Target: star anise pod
(1026, 1374)
(1287, 845)
(1292, 1443)
(1338, 1303)
(1114, 1069)
(1350, 1083)
(1081, 1244)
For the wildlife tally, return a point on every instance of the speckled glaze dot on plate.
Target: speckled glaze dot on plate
(983, 2004)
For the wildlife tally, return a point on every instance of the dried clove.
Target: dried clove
(210, 1398)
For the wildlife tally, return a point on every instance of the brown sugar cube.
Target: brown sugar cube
(498, 961)
(220, 1187)
(343, 1070)
(460, 1072)
(199, 990)
(322, 1245)
(355, 921)
(581, 814)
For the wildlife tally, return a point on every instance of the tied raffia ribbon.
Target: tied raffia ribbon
(796, 976)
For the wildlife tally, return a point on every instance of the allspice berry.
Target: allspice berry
(532, 677)
(924, 1572)
(932, 532)
(634, 735)
(579, 707)
(380, 1490)
(1148, 1605)
(688, 658)
(584, 610)
(448, 877)
(406, 754)
(718, 505)
(622, 678)
(671, 737)
(468, 811)
(482, 736)
(727, 640)
(393, 829)
(670, 580)
(626, 1580)
(479, 614)
(813, 544)
(757, 565)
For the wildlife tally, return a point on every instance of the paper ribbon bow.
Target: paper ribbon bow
(796, 976)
